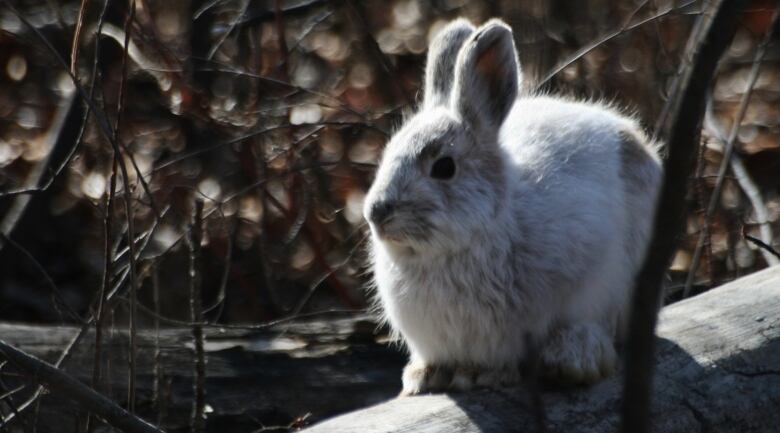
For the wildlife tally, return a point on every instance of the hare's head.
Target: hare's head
(442, 176)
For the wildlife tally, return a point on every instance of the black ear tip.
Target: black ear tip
(493, 30)
(496, 23)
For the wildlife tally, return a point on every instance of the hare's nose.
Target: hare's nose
(381, 211)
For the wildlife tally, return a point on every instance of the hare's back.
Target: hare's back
(588, 176)
(547, 133)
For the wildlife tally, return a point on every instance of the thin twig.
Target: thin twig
(74, 50)
(761, 244)
(204, 8)
(197, 420)
(10, 393)
(108, 220)
(227, 266)
(327, 273)
(233, 24)
(338, 104)
(128, 205)
(7, 398)
(262, 14)
(34, 399)
(729, 148)
(319, 256)
(142, 181)
(309, 27)
(107, 229)
(245, 326)
(627, 26)
(157, 396)
(258, 133)
(281, 38)
(244, 190)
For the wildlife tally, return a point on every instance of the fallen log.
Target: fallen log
(286, 375)
(718, 370)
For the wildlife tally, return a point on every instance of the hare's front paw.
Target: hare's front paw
(419, 378)
(578, 354)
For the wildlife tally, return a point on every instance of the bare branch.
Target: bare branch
(130, 220)
(319, 256)
(233, 24)
(157, 397)
(198, 420)
(627, 26)
(219, 303)
(258, 133)
(108, 222)
(60, 383)
(74, 50)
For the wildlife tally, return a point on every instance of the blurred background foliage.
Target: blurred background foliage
(275, 113)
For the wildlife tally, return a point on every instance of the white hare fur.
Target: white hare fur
(532, 231)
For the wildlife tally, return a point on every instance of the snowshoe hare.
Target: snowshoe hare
(499, 219)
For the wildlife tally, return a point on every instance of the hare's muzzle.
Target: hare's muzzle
(380, 212)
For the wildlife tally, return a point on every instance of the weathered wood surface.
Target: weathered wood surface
(718, 371)
(303, 370)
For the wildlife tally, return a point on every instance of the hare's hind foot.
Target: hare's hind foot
(578, 354)
(419, 378)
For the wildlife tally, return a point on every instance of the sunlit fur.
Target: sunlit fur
(539, 233)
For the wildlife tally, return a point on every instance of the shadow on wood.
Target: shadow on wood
(718, 370)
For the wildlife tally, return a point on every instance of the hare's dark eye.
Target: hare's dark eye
(443, 168)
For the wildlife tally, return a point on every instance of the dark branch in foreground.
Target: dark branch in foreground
(66, 386)
(681, 130)
(761, 244)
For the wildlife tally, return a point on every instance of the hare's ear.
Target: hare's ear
(487, 75)
(442, 54)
